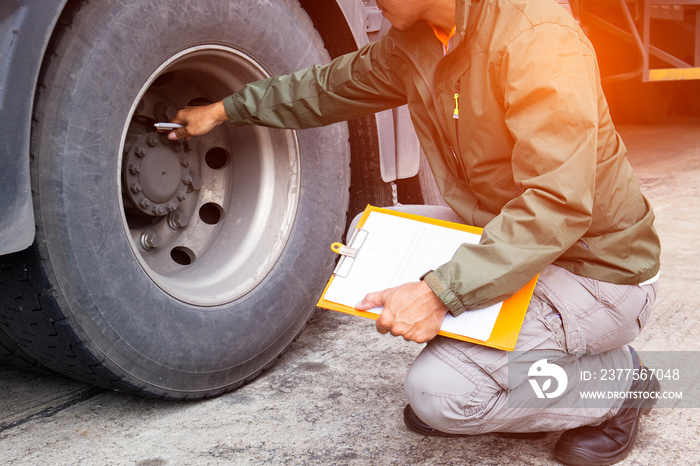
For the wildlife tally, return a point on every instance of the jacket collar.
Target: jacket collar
(413, 41)
(463, 10)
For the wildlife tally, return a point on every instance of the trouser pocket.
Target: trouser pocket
(597, 316)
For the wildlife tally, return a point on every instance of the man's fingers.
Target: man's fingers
(384, 324)
(412, 311)
(394, 330)
(180, 133)
(371, 301)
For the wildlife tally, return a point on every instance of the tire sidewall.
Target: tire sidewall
(126, 320)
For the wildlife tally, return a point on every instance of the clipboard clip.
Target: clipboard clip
(348, 253)
(340, 248)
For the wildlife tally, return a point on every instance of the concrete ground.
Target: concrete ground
(336, 397)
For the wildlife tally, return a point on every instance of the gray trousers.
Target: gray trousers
(579, 324)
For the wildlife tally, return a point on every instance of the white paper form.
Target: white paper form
(398, 250)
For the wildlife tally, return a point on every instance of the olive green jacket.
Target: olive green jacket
(531, 154)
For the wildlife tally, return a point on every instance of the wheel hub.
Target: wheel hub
(157, 178)
(208, 218)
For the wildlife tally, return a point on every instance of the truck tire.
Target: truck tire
(167, 269)
(13, 355)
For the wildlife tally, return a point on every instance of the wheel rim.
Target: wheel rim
(207, 218)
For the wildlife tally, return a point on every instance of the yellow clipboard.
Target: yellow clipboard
(506, 328)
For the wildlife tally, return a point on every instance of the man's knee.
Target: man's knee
(446, 398)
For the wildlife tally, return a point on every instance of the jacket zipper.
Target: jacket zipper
(441, 121)
(455, 117)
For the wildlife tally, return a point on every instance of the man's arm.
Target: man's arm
(353, 85)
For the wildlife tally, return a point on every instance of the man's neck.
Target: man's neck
(442, 14)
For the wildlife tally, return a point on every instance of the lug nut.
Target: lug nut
(185, 162)
(134, 169)
(194, 184)
(144, 203)
(136, 188)
(152, 140)
(150, 240)
(179, 146)
(178, 220)
(181, 196)
(140, 151)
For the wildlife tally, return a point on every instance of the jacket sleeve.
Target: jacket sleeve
(351, 86)
(547, 79)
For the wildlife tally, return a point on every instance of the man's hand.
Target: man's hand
(412, 311)
(198, 120)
